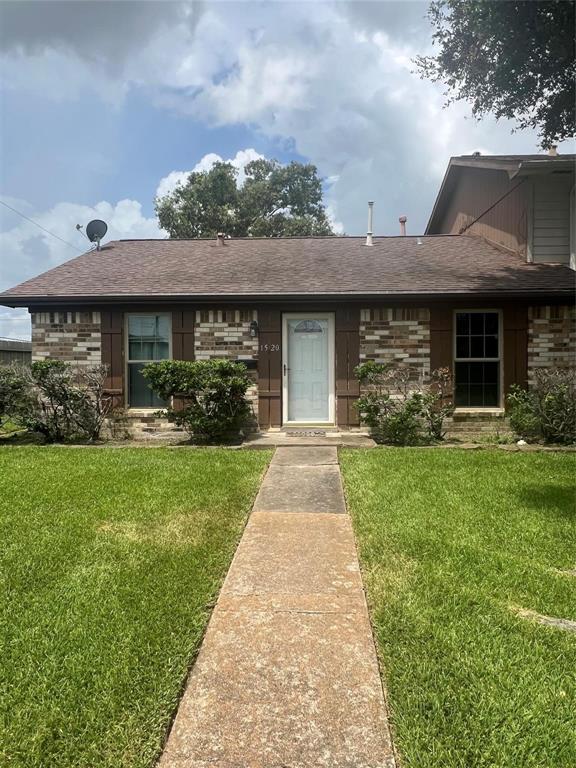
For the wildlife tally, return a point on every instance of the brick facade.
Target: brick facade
(551, 338)
(397, 335)
(72, 336)
(226, 333)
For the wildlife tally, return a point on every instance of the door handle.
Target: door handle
(285, 369)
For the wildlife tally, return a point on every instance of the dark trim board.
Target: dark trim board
(38, 303)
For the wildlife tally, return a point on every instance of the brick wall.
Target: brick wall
(399, 335)
(226, 333)
(72, 336)
(551, 338)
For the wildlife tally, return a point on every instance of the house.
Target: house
(303, 312)
(15, 351)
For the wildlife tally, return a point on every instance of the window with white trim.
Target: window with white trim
(477, 359)
(148, 341)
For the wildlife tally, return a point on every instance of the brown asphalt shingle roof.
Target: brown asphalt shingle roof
(339, 266)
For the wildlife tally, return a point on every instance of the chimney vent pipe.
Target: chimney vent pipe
(369, 232)
(553, 150)
(220, 238)
(403, 221)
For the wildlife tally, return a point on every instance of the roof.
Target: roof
(298, 267)
(14, 345)
(513, 165)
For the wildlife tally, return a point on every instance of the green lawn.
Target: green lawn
(451, 543)
(111, 561)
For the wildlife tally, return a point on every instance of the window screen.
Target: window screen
(148, 340)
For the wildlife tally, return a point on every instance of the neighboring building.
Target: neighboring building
(524, 203)
(15, 351)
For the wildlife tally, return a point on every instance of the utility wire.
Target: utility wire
(76, 248)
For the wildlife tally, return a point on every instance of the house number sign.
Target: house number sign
(269, 347)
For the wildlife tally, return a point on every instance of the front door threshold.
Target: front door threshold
(300, 427)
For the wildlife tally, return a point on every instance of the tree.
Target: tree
(274, 201)
(515, 59)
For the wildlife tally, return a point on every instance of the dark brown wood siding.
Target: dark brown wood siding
(183, 334)
(182, 340)
(113, 353)
(441, 331)
(514, 349)
(269, 367)
(347, 358)
(515, 345)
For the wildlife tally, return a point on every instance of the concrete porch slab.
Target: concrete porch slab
(334, 439)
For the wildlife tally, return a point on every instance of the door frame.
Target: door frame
(331, 365)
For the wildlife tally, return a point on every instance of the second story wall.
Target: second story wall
(530, 215)
(476, 190)
(551, 203)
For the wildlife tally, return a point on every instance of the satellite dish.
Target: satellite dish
(95, 231)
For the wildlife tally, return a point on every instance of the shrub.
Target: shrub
(58, 401)
(437, 403)
(213, 395)
(14, 390)
(398, 409)
(546, 411)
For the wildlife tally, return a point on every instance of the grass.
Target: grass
(111, 561)
(451, 544)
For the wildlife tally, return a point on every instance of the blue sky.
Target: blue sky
(103, 103)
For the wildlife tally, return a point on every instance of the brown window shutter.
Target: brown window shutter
(113, 353)
(182, 340)
(270, 367)
(183, 334)
(515, 346)
(441, 343)
(347, 358)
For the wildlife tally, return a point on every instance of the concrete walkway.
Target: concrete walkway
(287, 675)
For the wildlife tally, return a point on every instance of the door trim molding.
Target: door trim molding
(331, 364)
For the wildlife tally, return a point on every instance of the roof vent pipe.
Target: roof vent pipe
(403, 221)
(369, 232)
(553, 150)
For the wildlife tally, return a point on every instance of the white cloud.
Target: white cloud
(175, 178)
(14, 323)
(334, 78)
(27, 250)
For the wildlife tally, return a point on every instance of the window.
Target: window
(148, 340)
(477, 360)
(308, 326)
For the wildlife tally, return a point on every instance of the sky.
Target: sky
(105, 105)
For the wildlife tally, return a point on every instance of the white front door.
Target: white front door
(308, 368)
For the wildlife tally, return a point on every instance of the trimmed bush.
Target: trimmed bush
(546, 411)
(398, 409)
(213, 394)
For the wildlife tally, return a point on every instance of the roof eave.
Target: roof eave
(542, 167)
(99, 300)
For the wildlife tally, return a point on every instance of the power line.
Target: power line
(76, 248)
